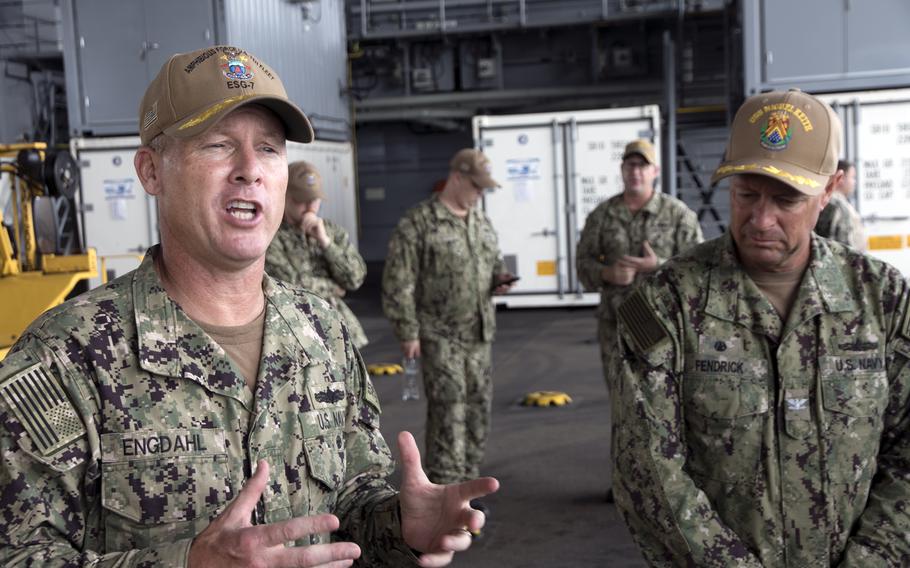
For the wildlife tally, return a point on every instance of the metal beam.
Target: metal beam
(515, 96)
(420, 114)
(669, 177)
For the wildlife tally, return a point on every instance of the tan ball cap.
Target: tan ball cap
(790, 136)
(194, 90)
(304, 182)
(641, 147)
(475, 165)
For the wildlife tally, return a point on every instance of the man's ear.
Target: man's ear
(833, 182)
(148, 167)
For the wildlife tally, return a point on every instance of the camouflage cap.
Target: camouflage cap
(475, 165)
(790, 136)
(194, 90)
(643, 148)
(304, 182)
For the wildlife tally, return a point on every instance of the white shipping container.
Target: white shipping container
(554, 168)
(121, 219)
(877, 140)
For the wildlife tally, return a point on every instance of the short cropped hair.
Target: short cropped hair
(160, 143)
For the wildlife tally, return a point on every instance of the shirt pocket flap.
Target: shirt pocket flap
(855, 384)
(726, 398)
(165, 476)
(856, 396)
(160, 491)
(324, 448)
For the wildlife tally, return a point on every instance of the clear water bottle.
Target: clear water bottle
(410, 390)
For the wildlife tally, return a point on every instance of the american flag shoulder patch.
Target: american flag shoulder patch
(42, 407)
(639, 319)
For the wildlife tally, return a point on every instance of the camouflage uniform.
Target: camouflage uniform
(610, 232)
(746, 440)
(294, 258)
(126, 430)
(840, 221)
(437, 287)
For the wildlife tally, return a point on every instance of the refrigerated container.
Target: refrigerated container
(877, 140)
(554, 169)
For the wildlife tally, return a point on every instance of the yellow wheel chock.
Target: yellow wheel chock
(546, 398)
(384, 369)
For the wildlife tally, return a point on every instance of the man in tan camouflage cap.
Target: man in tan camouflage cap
(765, 375)
(314, 253)
(626, 238)
(442, 268)
(196, 412)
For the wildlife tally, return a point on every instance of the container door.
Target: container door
(883, 179)
(527, 210)
(176, 26)
(110, 36)
(595, 158)
(335, 161)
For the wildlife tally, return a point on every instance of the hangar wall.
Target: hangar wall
(420, 70)
(424, 73)
(423, 69)
(113, 48)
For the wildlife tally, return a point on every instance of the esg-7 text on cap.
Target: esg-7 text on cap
(194, 90)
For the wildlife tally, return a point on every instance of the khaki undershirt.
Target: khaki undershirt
(242, 343)
(780, 288)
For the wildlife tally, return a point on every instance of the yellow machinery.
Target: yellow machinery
(37, 272)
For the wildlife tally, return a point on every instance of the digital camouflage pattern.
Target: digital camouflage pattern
(745, 440)
(438, 275)
(437, 287)
(168, 431)
(299, 260)
(458, 382)
(611, 231)
(840, 221)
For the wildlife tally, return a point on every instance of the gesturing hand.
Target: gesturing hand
(435, 519)
(232, 540)
(646, 263)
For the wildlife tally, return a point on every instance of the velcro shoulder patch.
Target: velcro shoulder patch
(643, 326)
(37, 399)
(369, 391)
